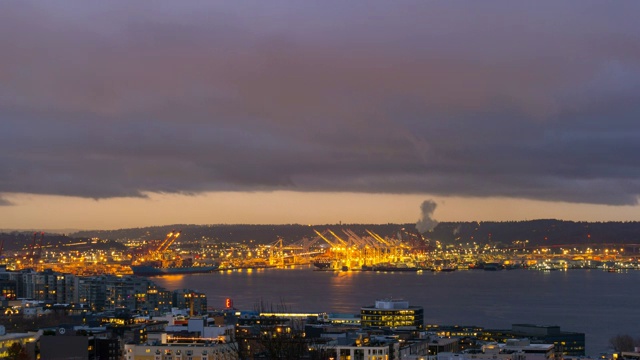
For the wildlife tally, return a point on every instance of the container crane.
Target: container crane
(332, 244)
(35, 251)
(344, 243)
(165, 241)
(39, 255)
(32, 252)
(168, 241)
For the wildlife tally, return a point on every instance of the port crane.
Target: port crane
(168, 241)
(159, 253)
(34, 253)
(278, 252)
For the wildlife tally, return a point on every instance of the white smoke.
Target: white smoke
(426, 222)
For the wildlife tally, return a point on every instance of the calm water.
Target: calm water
(595, 302)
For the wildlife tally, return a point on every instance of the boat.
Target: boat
(323, 263)
(395, 267)
(492, 266)
(178, 266)
(445, 266)
(255, 264)
(448, 269)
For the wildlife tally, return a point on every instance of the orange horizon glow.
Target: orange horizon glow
(283, 207)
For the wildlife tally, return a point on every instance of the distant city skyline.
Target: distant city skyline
(121, 114)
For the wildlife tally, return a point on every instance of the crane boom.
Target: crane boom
(169, 235)
(379, 238)
(169, 241)
(337, 237)
(40, 245)
(33, 245)
(324, 238)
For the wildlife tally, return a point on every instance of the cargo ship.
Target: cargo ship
(165, 262)
(156, 269)
(323, 263)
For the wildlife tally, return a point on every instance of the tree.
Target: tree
(17, 351)
(622, 342)
(274, 337)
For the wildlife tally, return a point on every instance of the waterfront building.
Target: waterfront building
(513, 349)
(372, 352)
(27, 340)
(200, 327)
(442, 345)
(392, 313)
(181, 351)
(8, 290)
(566, 343)
(45, 286)
(367, 347)
(339, 319)
(154, 299)
(8, 286)
(79, 345)
(108, 292)
(195, 301)
(630, 355)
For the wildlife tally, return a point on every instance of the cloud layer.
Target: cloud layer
(525, 100)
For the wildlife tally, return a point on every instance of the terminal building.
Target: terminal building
(394, 314)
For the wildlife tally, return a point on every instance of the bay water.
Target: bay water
(598, 303)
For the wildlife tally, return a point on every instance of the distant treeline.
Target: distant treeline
(536, 232)
(23, 242)
(508, 234)
(239, 233)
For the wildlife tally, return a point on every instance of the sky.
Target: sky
(129, 113)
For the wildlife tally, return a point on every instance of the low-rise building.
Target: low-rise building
(392, 313)
(379, 352)
(27, 340)
(181, 351)
(514, 349)
(566, 343)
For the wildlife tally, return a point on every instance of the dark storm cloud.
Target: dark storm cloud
(537, 101)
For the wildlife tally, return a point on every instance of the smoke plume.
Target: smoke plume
(426, 222)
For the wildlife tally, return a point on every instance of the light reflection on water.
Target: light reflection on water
(591, 301)
(170, 281)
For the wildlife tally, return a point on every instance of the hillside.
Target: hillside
(534, 232)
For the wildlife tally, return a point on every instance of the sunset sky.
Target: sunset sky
(132, 113)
